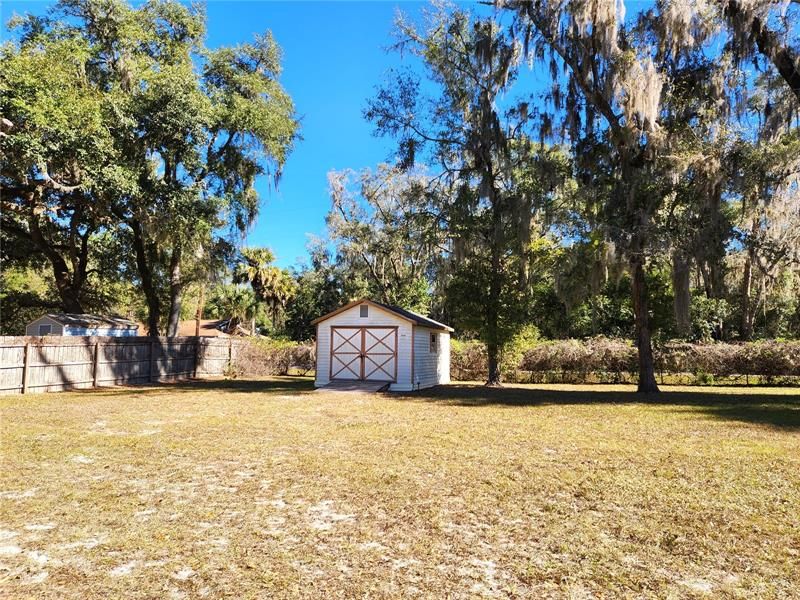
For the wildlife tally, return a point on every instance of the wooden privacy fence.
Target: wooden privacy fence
(47, 364)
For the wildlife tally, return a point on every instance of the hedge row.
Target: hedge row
(266, 356)
(617, 360)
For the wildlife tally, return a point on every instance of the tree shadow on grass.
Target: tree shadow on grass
(282, 385)
(277, 385)
(751, 406)
(780, 416)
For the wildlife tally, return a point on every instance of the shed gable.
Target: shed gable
(355, 315)
(357, 308)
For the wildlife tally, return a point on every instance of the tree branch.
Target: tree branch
(785, 59)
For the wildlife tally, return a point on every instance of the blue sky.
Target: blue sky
(333, 57)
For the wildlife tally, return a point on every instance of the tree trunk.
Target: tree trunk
(201, 302)
(70, 299)
(493, 352)
(67, 291)
(746, 327)
(706, 276)
(146, 277)
(636, 258)
(714, 243)
(175, 291)
(493, 304)
(647, 373)
(682, 298)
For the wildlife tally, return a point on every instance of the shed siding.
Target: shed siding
(377, 317)
(431, 368)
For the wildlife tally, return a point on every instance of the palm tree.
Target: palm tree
(270, 284)
(237, 304)
(283, 288)
(255, 267)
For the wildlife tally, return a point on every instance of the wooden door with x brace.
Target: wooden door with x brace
(364, 353)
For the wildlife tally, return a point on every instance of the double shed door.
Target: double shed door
(364, 353)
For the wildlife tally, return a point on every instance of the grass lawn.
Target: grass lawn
(260, 489)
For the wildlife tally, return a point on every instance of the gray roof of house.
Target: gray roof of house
(417, 318)
(84, 320)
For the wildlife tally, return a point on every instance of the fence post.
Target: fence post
(230, 353)
(25, 359)
(152, 355)
(95, 363)
(196, 356)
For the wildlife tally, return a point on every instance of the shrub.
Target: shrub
(616, 360)
(703, 378)
(767, 359)
(513, 352)
(707, 316)
(304, 357)
(771, 359)
(606, 356)
(266, 356)
(468, 361)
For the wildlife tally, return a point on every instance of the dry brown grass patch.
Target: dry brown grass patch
(251, 489)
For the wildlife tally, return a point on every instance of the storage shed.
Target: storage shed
(370, 341)
(81, 324)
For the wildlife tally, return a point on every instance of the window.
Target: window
(364, 308)
(45, 329)
(433, 342)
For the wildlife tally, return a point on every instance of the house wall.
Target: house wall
(57, 328)
(32, 328)
(101, 331)
(377, 317)
(431, 368)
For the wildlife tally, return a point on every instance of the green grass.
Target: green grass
(258, 489)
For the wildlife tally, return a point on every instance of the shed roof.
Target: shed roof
(408, 315)
(85, 320)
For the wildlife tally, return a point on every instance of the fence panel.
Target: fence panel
(12, 365)
(56, 366)
(51, 363)
(215, 354)
(123, 362)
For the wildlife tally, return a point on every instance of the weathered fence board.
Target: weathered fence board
(46, 364)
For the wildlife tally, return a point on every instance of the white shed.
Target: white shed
(370, 341)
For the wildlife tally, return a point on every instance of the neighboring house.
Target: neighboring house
(369, 341)
(240, 329)
(81, 324)
(208, 328)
